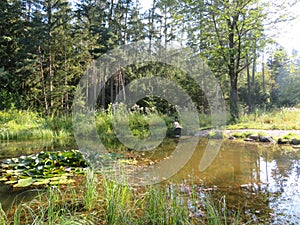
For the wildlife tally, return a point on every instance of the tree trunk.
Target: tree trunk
(263, 74)
(112, 89)
(253, 77)
(233, 75)
(103, 88)
(43, 81)
(249, 87)
(234, 107)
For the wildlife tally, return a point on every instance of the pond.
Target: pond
(10, 149)
(260, 181)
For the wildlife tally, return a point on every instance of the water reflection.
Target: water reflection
(260, 181)
(9, 149)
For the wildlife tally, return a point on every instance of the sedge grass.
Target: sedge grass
(25, 125)
(99, 200)
(3, 217)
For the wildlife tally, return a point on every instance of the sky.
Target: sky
(289, 33)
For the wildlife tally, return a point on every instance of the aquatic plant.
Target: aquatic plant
(43, 168)
(96, 199)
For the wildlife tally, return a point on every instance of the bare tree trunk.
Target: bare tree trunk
(253, 79)
(249, 87)
(43, 81)
(112, 89)
(263, 73)
(103, 88)
(51, 75)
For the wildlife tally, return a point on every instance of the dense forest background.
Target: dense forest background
(47, 45)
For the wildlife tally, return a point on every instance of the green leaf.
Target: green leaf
(3, 179)
(41, 182)
(24, 182)
(11, 182)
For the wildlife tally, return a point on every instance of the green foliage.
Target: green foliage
(91, 190)
(282, 119)
(217, 213)
(291, 136)
(242, 134)
(104, 201)
(43, 168)
(138, 119)
(46, 46)
(26, 124)
(216, 135)
(3, 217)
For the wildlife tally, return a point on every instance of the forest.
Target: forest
(46, 46)
(68, 158)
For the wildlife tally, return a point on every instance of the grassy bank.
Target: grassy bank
(97, 200)
(24, 125)
(279, 119)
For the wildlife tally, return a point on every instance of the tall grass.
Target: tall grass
(137, 119)
(24, 125)
(99, 200)
(3, 216)
(91, 190)
(165, 206)
(282, 119)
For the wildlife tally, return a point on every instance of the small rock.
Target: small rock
(249, 140)
(266, 139)
(254, 137)
(245, 185)
(282, 141)
(295, 141)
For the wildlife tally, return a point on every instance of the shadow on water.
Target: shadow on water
(10, 197)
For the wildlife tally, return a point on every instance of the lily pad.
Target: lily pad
(42, 168)
(41, 182)
(3, 179)
(62, 181)
(11, 182)
(24, 182)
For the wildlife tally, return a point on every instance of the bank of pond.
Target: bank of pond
(247, 183)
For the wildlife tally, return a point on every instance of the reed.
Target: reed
(100, 200)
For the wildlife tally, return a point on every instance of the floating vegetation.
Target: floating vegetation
(44, 168)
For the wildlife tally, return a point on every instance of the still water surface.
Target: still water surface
(260, 181)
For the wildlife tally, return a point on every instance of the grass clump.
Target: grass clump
(291, 136)
(99, 200)
(25, 124)
(281, 119)
(217, 213)
(242, 134)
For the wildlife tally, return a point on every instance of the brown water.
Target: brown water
(260, 181)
